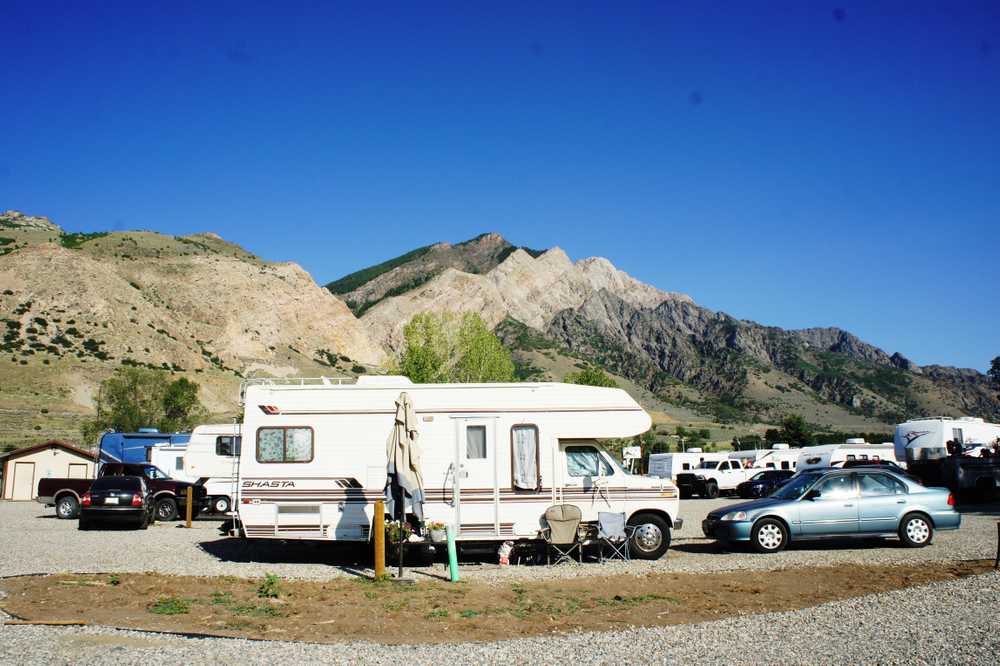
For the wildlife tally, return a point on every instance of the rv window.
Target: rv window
(524, 457)
(227, 445)
(475, 442)
(586, 461)
(179, 463)
(850, 456)
(785, 465)
(958, 435)
(276, 445)
(686, 466)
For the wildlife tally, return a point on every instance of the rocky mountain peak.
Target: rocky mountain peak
(18, 220)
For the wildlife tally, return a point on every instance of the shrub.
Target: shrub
(270, 587)
(171, 606)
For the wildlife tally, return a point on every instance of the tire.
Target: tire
(685, 494)
(166, 509)
(916, 531)
(67, 507)
(711, 490)
(769, 536)
(651, 537)
(220, 505)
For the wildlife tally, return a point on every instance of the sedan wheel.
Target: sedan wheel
(769, 536)
(916, 531)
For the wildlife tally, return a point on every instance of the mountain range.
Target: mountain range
(75, 306)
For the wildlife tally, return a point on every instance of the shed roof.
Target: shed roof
(46, 445)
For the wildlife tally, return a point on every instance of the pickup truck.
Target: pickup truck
(170, 495)
(972, 476)
(713, 477)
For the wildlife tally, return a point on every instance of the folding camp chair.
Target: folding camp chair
(614, 535)
(561, 535)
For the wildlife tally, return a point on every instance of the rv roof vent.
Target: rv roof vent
(973, 419)
(856, 440)
(383, 380)
(781, 447)
(149, 430)
(694, 449)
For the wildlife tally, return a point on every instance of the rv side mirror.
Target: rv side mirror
(812, 494)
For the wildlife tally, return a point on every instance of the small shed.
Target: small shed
(22, 468)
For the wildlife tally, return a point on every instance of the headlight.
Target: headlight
(735, 515)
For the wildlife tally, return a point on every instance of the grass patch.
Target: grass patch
(270, 587)
(170, 606)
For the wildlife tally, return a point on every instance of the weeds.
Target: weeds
(270, 587)
(114, 579)
(437, 612)
(222, 598)
(255, 610)
(171, 606)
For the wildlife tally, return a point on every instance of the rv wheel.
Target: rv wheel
(67, 507)
(221, 504)
(650, 536)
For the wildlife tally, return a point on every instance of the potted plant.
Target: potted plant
(396, 532)
(438, 531)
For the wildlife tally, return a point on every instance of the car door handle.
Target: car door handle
(848, 505)
(900, 501)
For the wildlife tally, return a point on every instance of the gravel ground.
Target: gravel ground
(32, 540)
(943, 623)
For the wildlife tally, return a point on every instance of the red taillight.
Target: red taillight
(951, 500)
(136, 500)
(85, 500)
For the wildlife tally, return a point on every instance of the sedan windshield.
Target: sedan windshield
(797, 486)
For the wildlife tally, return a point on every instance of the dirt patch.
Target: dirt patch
(435, 612)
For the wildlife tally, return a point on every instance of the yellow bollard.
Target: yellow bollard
(378, 524)
(190, 504)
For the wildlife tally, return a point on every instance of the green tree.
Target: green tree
(453, 348)
(747, 443)
(795, 431)
(591, 376)
(134, 398)
(994, 372)
(772, 435)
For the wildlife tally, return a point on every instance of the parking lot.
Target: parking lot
(955, 617)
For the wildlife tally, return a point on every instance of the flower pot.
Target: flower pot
(439, 535)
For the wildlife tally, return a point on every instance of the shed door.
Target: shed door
(24, 481)
(77, 470)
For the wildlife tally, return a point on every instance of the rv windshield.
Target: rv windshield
(797, 486)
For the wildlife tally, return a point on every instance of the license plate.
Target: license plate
(111, 500)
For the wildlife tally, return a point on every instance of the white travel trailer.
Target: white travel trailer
(834, 455)
(212, 459)
(169, 458)
(494, 458)
(780, 457)
(669, 465)
(925, 439)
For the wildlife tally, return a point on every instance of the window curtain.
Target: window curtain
(525, 458)
(475, 442)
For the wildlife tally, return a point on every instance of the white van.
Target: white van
(212, 459)
(494, 458)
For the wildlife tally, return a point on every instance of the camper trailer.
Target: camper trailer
(780, 457)
(494, 457)
(835, 455)
(669, 465)
(170, 459)
(925, 439)
(212, 459)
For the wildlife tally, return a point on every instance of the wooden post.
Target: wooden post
(378, 524)
(190, 504)
(996, 565)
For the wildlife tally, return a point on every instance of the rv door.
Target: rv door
(477, 495)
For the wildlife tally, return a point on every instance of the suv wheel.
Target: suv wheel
(769, 536)
(166, 509)
(916, 531)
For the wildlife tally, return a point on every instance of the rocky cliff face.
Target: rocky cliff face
(660, 339)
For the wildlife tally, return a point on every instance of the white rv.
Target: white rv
(669, 465)
(212, 459)
(834, 455)
(925, 439)
(780, 457)
(494, 458)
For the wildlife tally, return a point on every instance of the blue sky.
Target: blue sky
(793, 163)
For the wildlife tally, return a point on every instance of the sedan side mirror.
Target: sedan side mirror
(812, 494)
